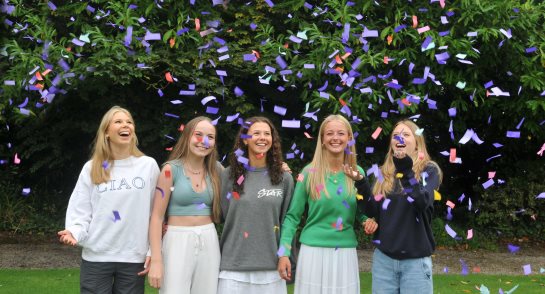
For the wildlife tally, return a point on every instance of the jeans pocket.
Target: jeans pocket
(426, 267)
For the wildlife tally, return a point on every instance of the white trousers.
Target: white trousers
(191, 259)
(258, 282)
(323, 270)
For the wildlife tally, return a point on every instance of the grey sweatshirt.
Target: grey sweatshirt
(251, 231)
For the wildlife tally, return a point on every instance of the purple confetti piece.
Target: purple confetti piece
(238, 92)
(172, 115)
(386, 203)
(128, 37)
(77, 42)
(488, 183)
(531, 50)
(116, 216)
(399, 28)
(541, 196)
(281, 62)
(152, 36)
(270, 3)
(512, 248)
(339, 223)
(105, 164)
(450, 231)
(376, 242)
(399, 139)
(281, 251)
(294, 124)
(339, 190)
(369, 149)
(512, 134)
(25, 191)
(465, 269)
(51, 6)
(345, 203)
(527, 269)
(162, 192)
(520, 123)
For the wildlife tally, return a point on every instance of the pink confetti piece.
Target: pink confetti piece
(376, 133)
(540, 152)
(16, 159)
(245, 234)
(300, 177)
(423, 29)
(491, 174)
(240, 180)
(450, 204)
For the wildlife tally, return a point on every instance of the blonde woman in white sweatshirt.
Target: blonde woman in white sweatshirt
(109, 209)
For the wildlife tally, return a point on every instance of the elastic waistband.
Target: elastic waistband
(209, 226)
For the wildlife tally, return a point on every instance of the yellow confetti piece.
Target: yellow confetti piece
(436, 195)
(359, 197)
(276, 228)
(399, 175)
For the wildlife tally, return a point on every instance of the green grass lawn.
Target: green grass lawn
(67, 281)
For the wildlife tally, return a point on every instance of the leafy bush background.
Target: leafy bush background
(54, 140)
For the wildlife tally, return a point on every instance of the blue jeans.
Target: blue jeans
(393, 276)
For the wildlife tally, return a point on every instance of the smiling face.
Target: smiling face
(335, 137)
(120, 131)
(203, 140)
(403, 140)
(261, 140)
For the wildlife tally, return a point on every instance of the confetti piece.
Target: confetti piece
(294, 124)
(419, 132)
(240, 180)
(236, 195)
(385, 203)
(450, 231)
(512, 248)
(376, 133)
(105, 164)
(245, 235)
(168, 77)
(469, 234)
(452, 157)
(465, 269)
(116, 215)
(162, 192)
(541, 196)
(281, 251)
(450, 204)
(345, 203)
(488, 183)
(527, 269)
(300, 177)
(512, 134)
(436, 195)
(25, 191)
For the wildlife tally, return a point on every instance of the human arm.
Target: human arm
(160, 204)
(79, 212)
(226, 187)
(421, 192)
(363, 193)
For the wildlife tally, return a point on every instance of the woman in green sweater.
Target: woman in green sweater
(327, 261)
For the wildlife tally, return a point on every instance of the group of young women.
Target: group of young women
(122, 200)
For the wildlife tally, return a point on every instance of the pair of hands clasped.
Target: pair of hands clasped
(369, 226)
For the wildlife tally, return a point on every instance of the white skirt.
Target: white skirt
(327, 271)
(253, 282)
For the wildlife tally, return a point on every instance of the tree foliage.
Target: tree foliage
(468, 65)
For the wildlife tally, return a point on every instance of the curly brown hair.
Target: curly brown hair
(274, 155)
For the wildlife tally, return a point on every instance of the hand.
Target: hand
(286, 167)
(284, 268)
(155, 275)
(146, 266)
(351, 173)
(66, 237)
(370, 226)
(402, 162)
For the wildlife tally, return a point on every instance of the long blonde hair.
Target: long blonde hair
(101, 147)
(319, 166)
(420, 158)
(181, 152)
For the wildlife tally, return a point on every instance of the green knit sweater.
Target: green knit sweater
(330, 221)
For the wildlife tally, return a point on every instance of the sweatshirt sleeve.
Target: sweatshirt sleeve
(225, 190)
(293, 216)
(362, 189)
(80, 211)
(422, 192)
(288, 193)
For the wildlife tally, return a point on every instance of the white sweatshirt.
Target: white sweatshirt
(110, 220)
